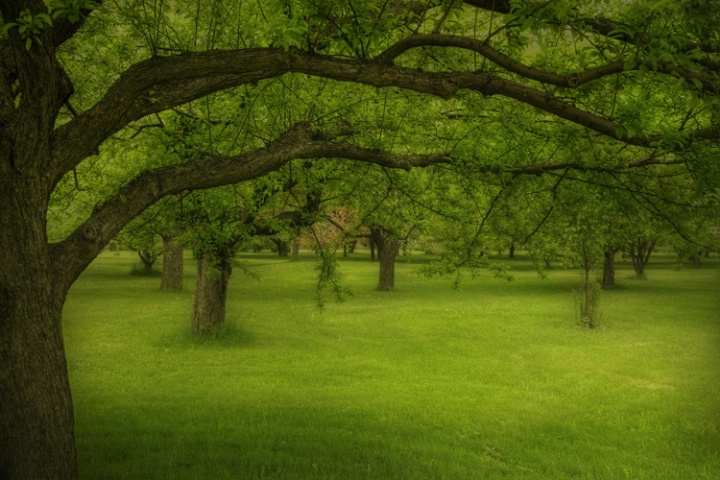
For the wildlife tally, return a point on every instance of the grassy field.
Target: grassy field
(494, 380)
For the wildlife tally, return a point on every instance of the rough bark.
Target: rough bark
(210, 294)
(172, 266)
(36, 415)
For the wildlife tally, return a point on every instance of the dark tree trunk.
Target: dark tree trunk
(387, 255)
(36, 414)
(210, 294)
(283, 248)
(388, 248)
(372, 250)
(172, 266)
(148, 259)
(608, 278)
(587, 313)
(639, 252)
(511, 253)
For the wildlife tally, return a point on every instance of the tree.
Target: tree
(173, 261)
(54, 117)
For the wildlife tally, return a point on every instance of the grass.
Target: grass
(495, 380)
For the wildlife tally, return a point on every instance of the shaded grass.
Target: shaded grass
(495, 380)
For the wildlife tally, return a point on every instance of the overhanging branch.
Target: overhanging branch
(161, 83)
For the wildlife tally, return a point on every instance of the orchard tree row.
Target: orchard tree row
(543, 119)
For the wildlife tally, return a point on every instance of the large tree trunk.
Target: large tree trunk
(172, 267)
(210, 295)
(36, 414)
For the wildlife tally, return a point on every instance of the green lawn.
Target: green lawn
(494, 380)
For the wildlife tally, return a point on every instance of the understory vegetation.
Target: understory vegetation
(495, 379)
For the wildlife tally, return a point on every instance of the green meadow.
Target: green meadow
(495, 379)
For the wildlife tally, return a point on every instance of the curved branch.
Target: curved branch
(569, 80)
(73, 254)
(159, 83)
(438, 40)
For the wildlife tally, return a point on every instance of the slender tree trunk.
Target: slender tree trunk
(511, 252)
(36, 414)
(210, 295)
(608, 278)
(172, 266)
(296, 250)
(587, 303)
(371, 243)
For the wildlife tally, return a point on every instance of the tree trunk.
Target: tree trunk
(388, 248)
(283, 248)
(511, 252)
(296, 250)
(148, 260)
(210, 295)
(608, 278)
(640, 252)
(587, 303)
(36, 414)
(387, 255)
(371, 244)
(172, 266)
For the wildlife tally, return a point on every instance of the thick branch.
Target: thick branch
(161, 83)
(437, 40)
(72, 255)
(499, 6)
(569, 80)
